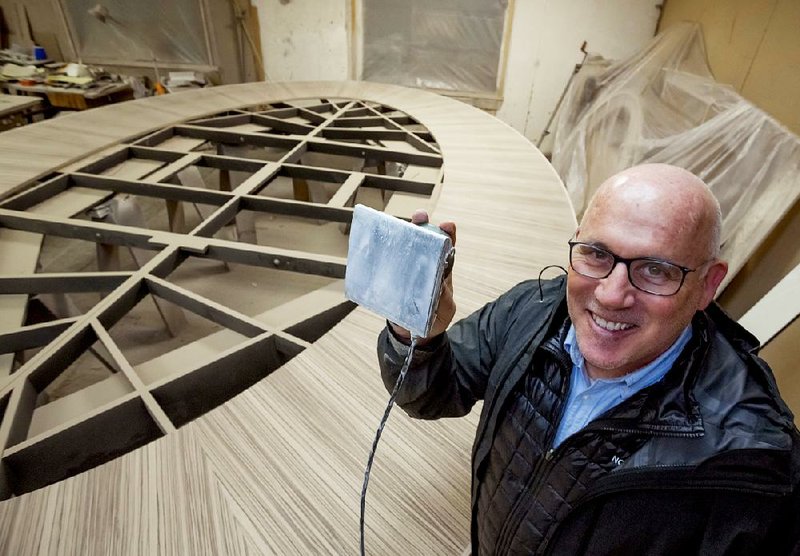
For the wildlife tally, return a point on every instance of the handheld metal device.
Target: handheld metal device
(395, 268)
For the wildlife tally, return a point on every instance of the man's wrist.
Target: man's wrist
(404, 336)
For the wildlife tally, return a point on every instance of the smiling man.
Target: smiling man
(624, 412)
(667, 220)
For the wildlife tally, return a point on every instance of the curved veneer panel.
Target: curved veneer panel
(179, 369)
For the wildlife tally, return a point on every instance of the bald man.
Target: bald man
(624, 412)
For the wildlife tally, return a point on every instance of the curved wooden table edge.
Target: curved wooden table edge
(514, 217)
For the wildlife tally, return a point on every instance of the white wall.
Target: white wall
(546, 38)
(304, 39)
(308, 39)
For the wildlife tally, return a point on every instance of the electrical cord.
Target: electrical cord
(389, 405)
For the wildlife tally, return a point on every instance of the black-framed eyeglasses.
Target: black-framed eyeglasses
(649, 274)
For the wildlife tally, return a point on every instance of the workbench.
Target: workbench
(16, 110)
(74, 98)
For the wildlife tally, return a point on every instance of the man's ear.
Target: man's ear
(714, 277)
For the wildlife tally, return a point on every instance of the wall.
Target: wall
(309, 39)
(305, 39)
(754, 46)
(546, 39)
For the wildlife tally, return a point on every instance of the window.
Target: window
(451, 45)
(143, 31)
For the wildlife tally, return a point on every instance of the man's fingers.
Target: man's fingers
(419, 217)
(450, 229)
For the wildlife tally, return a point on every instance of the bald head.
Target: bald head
(655, 213)
(669, 197)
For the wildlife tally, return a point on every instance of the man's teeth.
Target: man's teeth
(612, 326)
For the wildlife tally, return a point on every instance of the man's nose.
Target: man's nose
(615, 290)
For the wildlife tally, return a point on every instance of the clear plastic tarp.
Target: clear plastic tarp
(169, 32)
(436, 44)
(663, 105)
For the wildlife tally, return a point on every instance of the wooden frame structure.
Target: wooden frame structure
(277, 467)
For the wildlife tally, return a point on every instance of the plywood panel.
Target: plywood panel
(773, 81)
(733, 30)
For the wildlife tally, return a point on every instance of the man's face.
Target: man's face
(620, 328)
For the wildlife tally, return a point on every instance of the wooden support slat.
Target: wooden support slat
(122, 425)
(418, 140)
(116, 156)
(155, 138)
(314, 173)
(66, 282)
(35, 335)
(398, 184)
(204, 307)
(365, 121)
(236, 137)
(228, 120)
(196, 390)
(281, 124)
(344, 195)
(232, 163)
(157, 190)
(153, 153)
(169, 171)
(311, 116)
(155, 410)
(37, 194)
(364, 134)
(291, 207)
(77, 405)
(78, 229)
(379, 153)
(273, 257)
(18, 415)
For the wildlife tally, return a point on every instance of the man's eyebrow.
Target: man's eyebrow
(605, 247)
(599, 244)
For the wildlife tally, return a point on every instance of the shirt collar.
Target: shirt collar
(658, 367)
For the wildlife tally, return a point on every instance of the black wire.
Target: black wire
(400, 379)
(541, 293)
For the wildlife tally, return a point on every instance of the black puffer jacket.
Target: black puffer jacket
(706, 461)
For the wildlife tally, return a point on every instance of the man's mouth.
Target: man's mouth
(611, 326)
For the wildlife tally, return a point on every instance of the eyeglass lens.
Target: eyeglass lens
(650, 275)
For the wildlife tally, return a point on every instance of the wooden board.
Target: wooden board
(277, 469)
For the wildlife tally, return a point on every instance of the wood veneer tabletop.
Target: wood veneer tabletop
(278, 469)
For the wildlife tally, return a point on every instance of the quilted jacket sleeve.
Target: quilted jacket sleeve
(449, 375)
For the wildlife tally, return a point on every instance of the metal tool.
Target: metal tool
(395, 268)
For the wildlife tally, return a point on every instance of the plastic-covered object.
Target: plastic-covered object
(437, 44)
(663, 105)
(169, 32)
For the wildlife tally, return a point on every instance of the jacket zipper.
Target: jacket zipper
(543, 466)
(540, 470)
(517, 513)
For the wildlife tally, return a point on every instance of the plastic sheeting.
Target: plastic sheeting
(437, 44)
(171, 32)
(663, 105)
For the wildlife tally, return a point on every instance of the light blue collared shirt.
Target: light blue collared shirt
(589, 398)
